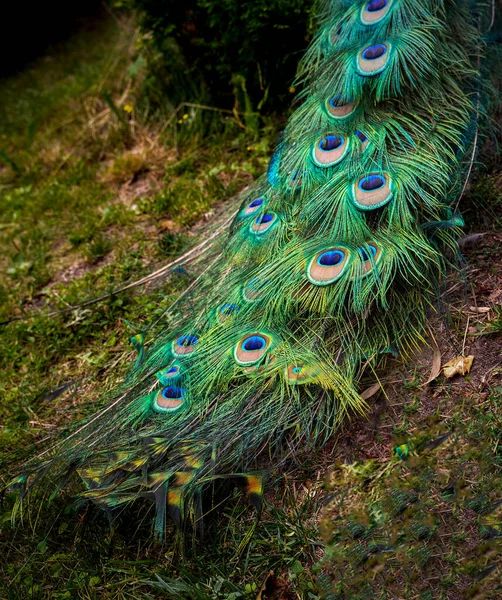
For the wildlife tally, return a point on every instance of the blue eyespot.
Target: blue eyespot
(255, 284)
(251, 348)
(296, 179)
(253, 207)
(331, 142)
(263, 219)
(228, 309)
(297, 370)
(371, 183)
(337, 101)
(364, 254)
(187, 340)
(173, 393)
(168, 375)
(376, 5)
(254, 343)
(374, 52)
(361, 136)
(330, 258)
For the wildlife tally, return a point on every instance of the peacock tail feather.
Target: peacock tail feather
(332, 261)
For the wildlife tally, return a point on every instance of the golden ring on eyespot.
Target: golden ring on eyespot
(251, 348)
(253, 207)
(372, 191)
(339, 108)
(264, 223)
(373, 59)
(373, 12)
(169, 399)
(184, 345)
(330, 150)
(328, 265)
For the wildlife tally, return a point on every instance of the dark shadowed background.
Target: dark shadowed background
(28, 29)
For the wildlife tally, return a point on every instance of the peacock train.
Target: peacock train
(330, 264)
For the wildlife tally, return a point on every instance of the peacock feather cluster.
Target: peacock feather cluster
(332, 262)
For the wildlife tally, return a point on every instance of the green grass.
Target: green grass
(79, 556)
(95, 195)
(425, 522)
(91, 201)
(421, 518)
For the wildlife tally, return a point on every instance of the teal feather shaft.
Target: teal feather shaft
(333, 259)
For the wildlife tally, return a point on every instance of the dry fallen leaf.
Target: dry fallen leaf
(460, 365)
(371, 391)
(479, 309)
(436, 362)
